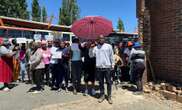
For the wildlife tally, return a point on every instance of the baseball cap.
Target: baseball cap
(130, 43)
(137, 45)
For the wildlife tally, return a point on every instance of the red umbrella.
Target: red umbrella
(91, 27)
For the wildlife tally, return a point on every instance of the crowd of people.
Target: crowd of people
(57, 64)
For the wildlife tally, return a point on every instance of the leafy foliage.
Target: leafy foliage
(14, 8)
(36, 11)
(69, 12)
(120, 25)
(44, 15)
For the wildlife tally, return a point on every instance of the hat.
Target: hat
(130, 44)
(137, 45)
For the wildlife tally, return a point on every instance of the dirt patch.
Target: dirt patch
(122, 99)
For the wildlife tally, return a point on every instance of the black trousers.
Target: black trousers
(66, 75)
(104, 74)
(76, 73)
(54, 71)
(125, 73)
(37, 78)
(46, 75)
(138, 69)
(89, 70)
(59, 75)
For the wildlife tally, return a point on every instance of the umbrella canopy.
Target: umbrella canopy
(91, 27)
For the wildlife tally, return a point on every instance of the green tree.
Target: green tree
(36, 11)
(74, 10)
(14, 8)
(69, 12)
(22, 9)
(44, 14)
(61, 17)
(4, 7)
(120, 25)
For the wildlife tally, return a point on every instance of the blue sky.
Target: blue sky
(111, 9)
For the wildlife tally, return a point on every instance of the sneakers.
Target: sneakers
(6, 89)
(86, 92)
(110, 100)
(93, 92)
(66, 90)
(54, 88)
(138, 93)
(59, 90)
(36, 92)
(101, 99)
(74, 92)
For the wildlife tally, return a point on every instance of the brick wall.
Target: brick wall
(166, 38)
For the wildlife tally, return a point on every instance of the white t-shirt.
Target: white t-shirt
(104, 56)
(54, 60)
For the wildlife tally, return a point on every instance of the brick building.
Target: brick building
(160, 25)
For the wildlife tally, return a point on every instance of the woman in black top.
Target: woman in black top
(88, 67)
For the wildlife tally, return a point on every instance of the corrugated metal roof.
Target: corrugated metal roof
(16, 22)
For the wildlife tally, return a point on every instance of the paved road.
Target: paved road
(18, 99)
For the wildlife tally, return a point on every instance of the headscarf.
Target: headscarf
(1, 40)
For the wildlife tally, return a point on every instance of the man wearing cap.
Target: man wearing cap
(104, 63)
(137, 57)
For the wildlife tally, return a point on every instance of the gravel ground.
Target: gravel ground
(123, 100)
(19, 99)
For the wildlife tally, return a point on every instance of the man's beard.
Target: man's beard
(101, 43)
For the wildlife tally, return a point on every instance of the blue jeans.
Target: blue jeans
(22, 70)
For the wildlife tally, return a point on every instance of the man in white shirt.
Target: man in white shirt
(54, 63)
(104, 63)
